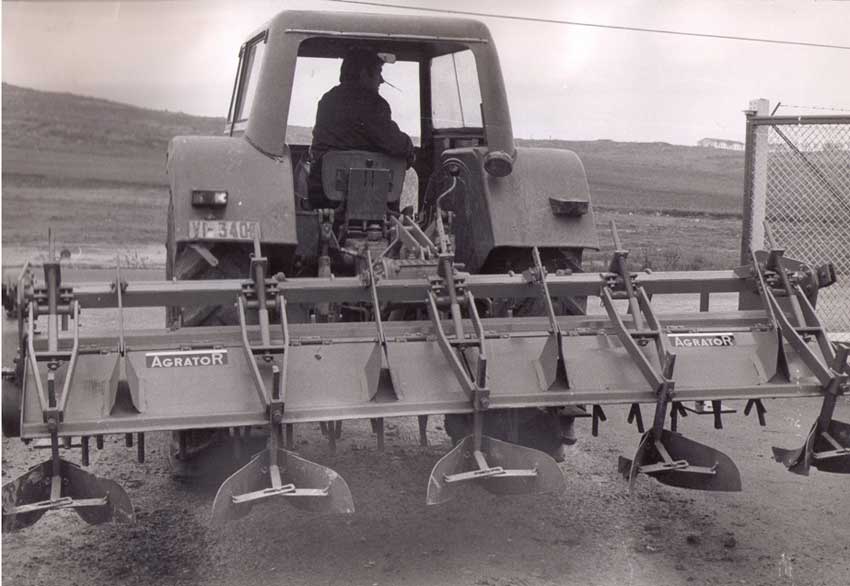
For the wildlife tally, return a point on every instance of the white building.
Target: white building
(720, 143)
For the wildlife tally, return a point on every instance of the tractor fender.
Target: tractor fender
(545, 202)
(259, 190)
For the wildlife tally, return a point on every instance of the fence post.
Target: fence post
(755, 191)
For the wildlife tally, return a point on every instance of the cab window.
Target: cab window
(455, 94)
(316, 75)
(248, 75)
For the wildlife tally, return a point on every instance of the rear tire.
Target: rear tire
(233, 263)
(11, 409)
(538, 428)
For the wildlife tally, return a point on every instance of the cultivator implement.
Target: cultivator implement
(462, 360)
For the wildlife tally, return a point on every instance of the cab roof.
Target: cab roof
(410, 38)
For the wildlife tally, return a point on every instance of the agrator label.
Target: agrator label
(186, 358)
(713, 340)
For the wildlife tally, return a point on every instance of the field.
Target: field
(128, 219)
(676, 207)
(92, 172)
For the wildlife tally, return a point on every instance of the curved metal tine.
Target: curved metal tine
(413, 237)
(284, 326)
(25, 274)
(544, 288)
(652, 376)
(376, 306)
(764, 291)
(789, 332)
(654, 324)
(813, 319)
(33, 360)
(551, 358)
(783, 276)
(259, 384)
(32, 356)
(421, 237)
(481, 371)
(378, 372)
(119, 296)
(460, 372)
(72, 361)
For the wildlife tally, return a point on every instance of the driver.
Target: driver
(353, 115)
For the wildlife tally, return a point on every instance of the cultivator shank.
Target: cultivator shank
(57, 484)
(461, 360)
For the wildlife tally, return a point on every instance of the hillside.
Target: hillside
(659, 175)
(60, 138)
(58, 121)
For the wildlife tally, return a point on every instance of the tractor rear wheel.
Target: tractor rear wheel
(533, 428)
(233, 262)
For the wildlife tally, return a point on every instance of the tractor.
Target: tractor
(453, 289)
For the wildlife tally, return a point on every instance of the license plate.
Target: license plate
(223, 230)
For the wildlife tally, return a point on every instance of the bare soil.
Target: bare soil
(782, 529)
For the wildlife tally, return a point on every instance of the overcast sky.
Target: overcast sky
(563, 81)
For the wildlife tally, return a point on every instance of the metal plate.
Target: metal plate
(304, 474)
(509, 456)
(224, 230)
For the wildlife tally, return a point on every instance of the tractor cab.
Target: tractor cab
(432, 86)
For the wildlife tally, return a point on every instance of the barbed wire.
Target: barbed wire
(596, 25)
(828, 108)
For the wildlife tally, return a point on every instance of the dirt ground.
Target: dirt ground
(782, 529)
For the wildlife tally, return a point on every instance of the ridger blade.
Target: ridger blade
(305, 484)
(96, 500)
(511, 469)
(679, 461)
(828, 452)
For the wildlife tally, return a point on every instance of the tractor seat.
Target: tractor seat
(365, 182)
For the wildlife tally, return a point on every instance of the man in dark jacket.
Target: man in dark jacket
(353, 115)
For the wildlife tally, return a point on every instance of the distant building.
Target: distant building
(720, 143)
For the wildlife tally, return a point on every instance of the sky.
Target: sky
(563, 81)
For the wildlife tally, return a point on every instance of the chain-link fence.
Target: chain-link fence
(798, 185)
